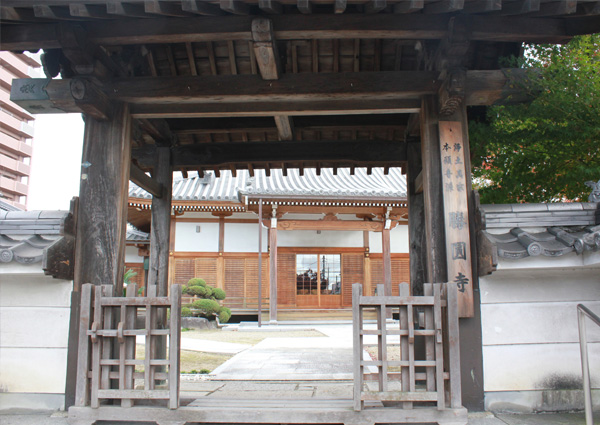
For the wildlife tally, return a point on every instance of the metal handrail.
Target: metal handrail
(582, 312)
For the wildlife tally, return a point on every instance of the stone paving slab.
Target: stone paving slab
(263, 362)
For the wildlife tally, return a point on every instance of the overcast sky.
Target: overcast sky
(56, 161)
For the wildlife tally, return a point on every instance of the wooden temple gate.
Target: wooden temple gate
(194, 85)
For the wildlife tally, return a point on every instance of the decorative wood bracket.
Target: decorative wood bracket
(452, 92)
(59, 258)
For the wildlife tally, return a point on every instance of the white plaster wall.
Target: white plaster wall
(34, 329)
(530, 335)
(243, 237)
(398, 241)
(131, 255)
(187, 240)
(327, 239)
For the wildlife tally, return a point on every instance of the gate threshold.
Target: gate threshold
(269, 411)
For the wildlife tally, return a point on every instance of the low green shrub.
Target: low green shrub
(186, 312)
(206, 307)
(224, 315)
(200, 291)
(196, 281)
(218, 294)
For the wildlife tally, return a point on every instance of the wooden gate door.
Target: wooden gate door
(110, 326)
(400, 379)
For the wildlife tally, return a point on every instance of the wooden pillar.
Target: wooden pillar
(220, 259)
(416, 220)
(160, 233)
(432, 192)
(367, 290)
(102, 221)
(102, 215)
(273, 270)
(173, 228)
(387, 262)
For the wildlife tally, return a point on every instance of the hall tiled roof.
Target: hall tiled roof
(344, 185)
(528, 230)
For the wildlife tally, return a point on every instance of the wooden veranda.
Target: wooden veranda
(291, 84)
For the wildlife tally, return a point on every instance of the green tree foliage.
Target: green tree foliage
(545, 150)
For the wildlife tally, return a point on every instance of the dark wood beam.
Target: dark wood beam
(304, 6)
(483, 6)
(270, 6)
(150, 185)
(166, 8)
(444, 6)
(409, 6)
(89, 11)
(263, 154)
(235, 7)
(371, 122)
(375, 6)
(201, 7)
(286, 27)
(290, 87)
(159, 131)
(292, 94)
(518, 7)
(563, 7)
(262, 109)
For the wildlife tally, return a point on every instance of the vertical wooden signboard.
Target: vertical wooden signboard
(456, 214)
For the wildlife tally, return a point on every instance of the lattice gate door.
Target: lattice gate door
(110, 326)
(399, 375)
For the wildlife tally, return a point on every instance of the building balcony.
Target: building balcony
(15, 166)
(12, 125)
(14, 146)
(12, 186)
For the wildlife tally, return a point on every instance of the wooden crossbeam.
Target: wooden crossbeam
(264, 154)
(150, 185)
(248, 95)
(371, 122)
(288, 27)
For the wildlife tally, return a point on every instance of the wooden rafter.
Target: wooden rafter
(291, 27)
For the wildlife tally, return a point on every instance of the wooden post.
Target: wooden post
(102, 221)
(416, 221)
(220, 259)
(432, 192)
(273, 269)
(160, 233)
(260, 232)
(366, 265)
(387, 262)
